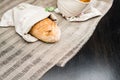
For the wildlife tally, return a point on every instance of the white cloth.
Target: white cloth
(23, 17)
(74, 10)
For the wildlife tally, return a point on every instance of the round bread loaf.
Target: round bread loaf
(46, 30)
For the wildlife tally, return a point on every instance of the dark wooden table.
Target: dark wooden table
(99, 59)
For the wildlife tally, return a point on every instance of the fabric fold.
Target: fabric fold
(86, 15)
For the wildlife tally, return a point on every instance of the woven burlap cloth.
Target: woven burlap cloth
(30, 61)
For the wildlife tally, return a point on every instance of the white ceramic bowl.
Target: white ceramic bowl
(71, 8)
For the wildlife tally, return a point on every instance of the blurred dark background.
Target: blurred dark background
(99, 59)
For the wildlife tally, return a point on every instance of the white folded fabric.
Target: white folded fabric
(75, 10)
(23, 17)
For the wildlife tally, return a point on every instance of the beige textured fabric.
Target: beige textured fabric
(30, 61)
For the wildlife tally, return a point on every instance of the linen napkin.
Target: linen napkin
(23, 17)
(73, 52)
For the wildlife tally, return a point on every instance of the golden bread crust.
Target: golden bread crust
(46, 30)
